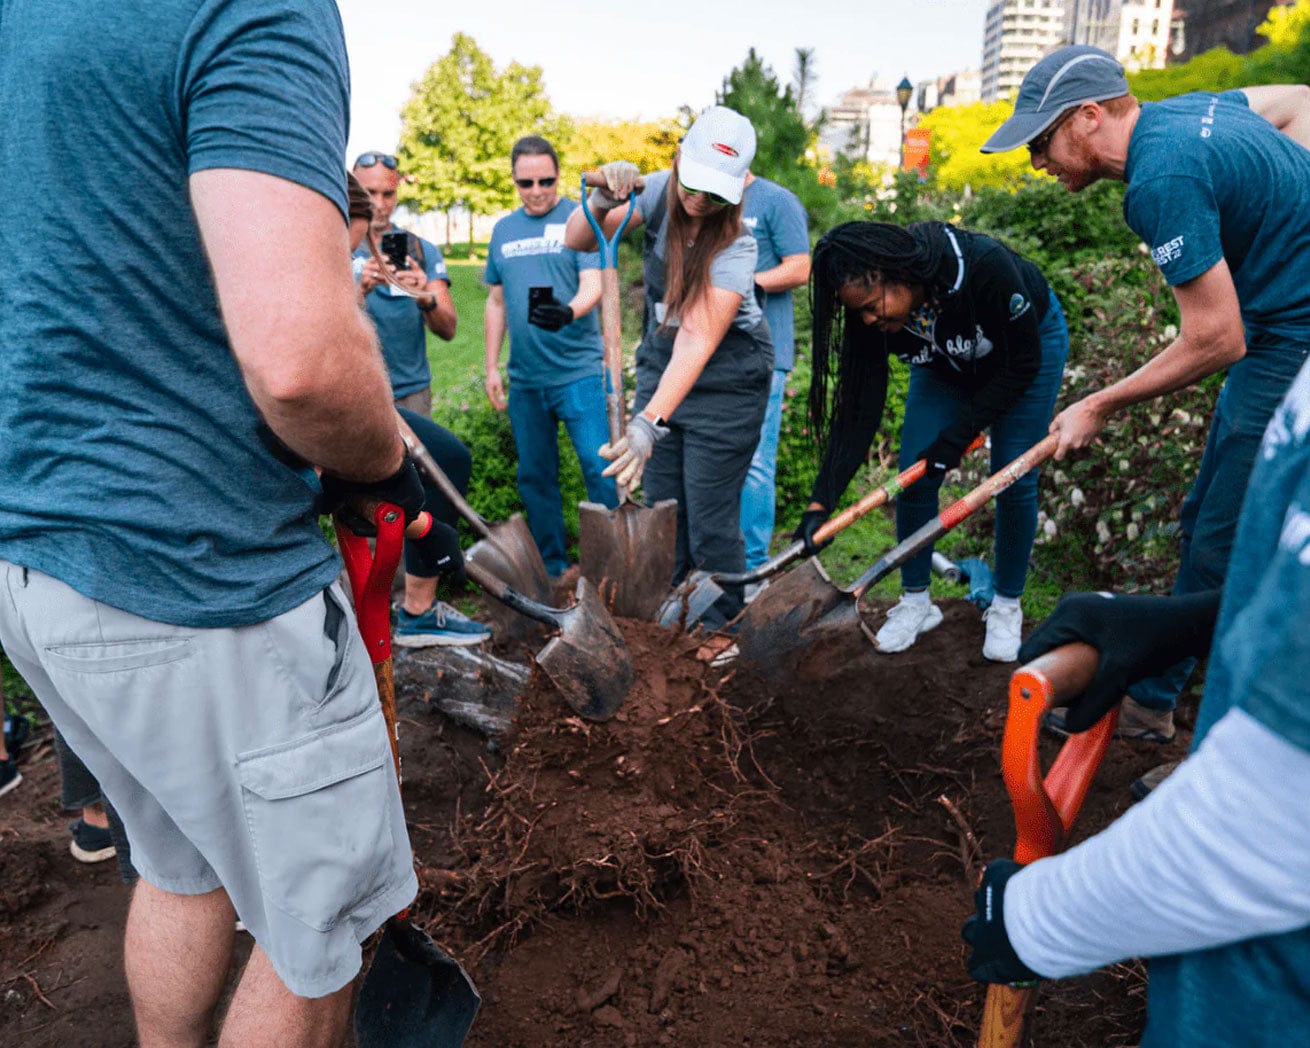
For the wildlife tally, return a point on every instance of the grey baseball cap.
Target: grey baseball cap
(1065, 78)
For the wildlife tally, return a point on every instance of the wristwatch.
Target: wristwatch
(428, 308)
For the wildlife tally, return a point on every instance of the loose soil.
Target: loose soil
(727, 862)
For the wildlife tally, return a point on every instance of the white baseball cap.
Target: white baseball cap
(717, 153)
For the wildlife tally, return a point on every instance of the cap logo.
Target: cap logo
(725, 149)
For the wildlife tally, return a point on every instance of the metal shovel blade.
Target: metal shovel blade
(803, 626)
(415, 994)
(693, 597)
(589, 661)
(510, 553)
(629, 553)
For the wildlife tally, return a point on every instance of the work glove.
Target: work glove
(620, 180)
(942, 454)
(811, 520)
(991, 956)
(438, 553)
(354, 501)
(551, 315)
(629, 456)
(1138, 637)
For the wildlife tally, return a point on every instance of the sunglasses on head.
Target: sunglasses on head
(371, 159)
(714, 197)
(1042, 142)
(528, 183)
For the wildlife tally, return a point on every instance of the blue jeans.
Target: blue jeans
(1252, 392)
(931, 406)
(759, 496)
(535, 415)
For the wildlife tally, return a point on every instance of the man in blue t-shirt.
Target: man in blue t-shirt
(1224, 838)
(1222, 200)
(544, 294)
(403, 322)
(169, 595)
(777, 220)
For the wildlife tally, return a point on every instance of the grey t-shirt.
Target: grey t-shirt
(733, 268)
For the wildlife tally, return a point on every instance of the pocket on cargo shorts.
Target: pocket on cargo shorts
(320, 813)
(118, 656)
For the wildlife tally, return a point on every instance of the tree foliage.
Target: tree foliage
(958, 133)
(649, 144)
(459, 124)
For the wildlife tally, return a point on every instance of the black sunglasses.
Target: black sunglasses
(714, 197)
(370, 159)
(528, 183)
(1042, 142)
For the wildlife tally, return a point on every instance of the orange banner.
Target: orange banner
(917, 142)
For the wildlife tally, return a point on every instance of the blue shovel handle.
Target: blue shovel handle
(609, 249)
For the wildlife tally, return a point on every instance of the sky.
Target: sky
(644, 60)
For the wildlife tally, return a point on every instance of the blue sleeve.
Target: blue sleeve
(265, 86)
(1178, 219)
(587, 260)
(491, 274)
(434, 262)
(789, 226)
(654, 186)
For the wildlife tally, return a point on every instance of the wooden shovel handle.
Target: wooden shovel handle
(1005, 1015)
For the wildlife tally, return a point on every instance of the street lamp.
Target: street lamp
(903, 92)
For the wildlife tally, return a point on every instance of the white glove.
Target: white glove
(620, 180)
(629, 456)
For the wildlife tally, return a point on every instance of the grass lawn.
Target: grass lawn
(457, 365)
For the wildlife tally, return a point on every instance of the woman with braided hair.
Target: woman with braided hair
(986, 341)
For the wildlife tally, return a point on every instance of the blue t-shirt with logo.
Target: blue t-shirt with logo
(402, 330)
(136, 467)
(528, 251)
(1208, 178)
(777, 220)
(1255, 992)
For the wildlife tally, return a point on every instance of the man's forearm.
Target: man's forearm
(493, 335)
(442, 319)
(1177, 366)
(791, 272)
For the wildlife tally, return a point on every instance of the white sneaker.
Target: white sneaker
(906, 620)
(1004, 624)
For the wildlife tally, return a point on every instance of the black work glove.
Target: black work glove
(811, 521)
(991, 958)
(1138, 637)
(551, 315)
(355, 500)
(942, 454)
(437, 553)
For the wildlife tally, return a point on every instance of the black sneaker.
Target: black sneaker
(9, 775)
(91, 843)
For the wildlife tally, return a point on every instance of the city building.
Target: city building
(866, 123)
(1016, 33)
(957, 89)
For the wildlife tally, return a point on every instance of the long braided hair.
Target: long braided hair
(860, 253)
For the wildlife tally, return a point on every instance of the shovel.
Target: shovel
(629, 552)
(508, 549)
(804, 624)
(588, 661)
(1044, 809)
(415, 994)
(685, 605)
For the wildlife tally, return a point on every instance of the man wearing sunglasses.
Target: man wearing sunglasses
(1222, 200)
(403, 322)
(544, 294)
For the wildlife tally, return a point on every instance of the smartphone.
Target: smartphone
(395, 246)
(538, 295)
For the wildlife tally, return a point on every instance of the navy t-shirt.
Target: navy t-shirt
(136, 468)
(1208, 179)
(1255, 992)
(402, 330)
(776, 218)
(528, 251)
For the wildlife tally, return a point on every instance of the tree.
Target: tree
(649, 145)
(958, 133)
(802, 75)
(780, 131)
(459, 124)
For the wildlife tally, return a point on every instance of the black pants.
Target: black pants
(79, 789)
(455, 461)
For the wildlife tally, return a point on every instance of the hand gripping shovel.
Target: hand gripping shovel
(508, 549)
(1044, 809)
(685, 605)
(588, 661)
(629, 552)
(803, 624)
(415, 995)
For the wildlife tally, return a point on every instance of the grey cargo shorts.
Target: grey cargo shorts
(253, 759)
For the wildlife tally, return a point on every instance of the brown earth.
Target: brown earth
(726, 862)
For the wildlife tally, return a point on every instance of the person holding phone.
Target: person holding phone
(544, 294)
(706, 360)
(417, 265)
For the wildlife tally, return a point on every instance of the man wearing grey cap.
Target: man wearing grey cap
(1222, 200)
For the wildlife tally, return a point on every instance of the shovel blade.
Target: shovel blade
(630, 554)
(510, 553)
(415, 995)
(589, 661)
(683, 608)
(803, 626)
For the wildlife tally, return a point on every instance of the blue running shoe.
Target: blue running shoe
(439, 625)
